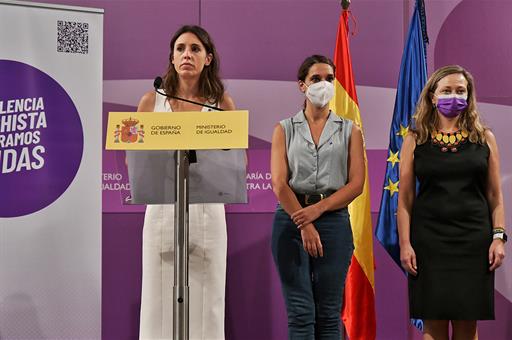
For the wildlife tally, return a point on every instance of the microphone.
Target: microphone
(157, 83)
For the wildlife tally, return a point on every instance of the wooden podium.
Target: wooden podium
(144, 132)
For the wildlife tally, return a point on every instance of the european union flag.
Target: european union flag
(413, 76)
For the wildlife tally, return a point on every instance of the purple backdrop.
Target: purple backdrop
(267, 40)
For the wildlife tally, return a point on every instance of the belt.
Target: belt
(309, 199)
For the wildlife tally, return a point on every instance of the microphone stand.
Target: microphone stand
(181, 232)
(187, 100)
(157, 84)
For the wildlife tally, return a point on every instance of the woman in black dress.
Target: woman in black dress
(451, 232)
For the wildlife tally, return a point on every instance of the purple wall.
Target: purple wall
(267, 40)
(121, 275)
(482, 48)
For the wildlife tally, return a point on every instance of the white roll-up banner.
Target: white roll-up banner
(50, 171)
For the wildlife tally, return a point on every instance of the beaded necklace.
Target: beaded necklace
(449, 140)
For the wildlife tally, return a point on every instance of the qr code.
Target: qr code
(72, 37)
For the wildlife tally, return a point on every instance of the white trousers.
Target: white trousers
(207, 272)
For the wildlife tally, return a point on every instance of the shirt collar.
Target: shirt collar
(300, 117)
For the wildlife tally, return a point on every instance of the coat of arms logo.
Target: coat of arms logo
(130, 132)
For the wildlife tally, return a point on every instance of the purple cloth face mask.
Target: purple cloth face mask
(451, 105)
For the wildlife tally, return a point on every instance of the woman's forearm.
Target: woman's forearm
(497, 210)
(286, 198)
(341, 198)
(404, 226)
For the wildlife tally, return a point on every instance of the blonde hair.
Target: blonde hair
(426, 119)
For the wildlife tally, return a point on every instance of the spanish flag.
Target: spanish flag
(358, 312)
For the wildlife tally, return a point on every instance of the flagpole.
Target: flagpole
(345, 4)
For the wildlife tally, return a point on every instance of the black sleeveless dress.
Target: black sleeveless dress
(451, 231)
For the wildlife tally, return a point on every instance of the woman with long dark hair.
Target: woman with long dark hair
(193, 74)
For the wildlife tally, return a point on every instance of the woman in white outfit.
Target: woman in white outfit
(193, 74)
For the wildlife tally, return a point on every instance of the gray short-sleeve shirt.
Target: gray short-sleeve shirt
(317, 169)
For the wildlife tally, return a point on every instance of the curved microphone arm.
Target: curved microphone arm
(158, 82)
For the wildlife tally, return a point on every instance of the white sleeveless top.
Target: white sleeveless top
(207, 267)
(163, 105)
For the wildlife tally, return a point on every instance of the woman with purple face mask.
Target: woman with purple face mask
(452, 224)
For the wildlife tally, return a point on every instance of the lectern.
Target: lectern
(158, 151)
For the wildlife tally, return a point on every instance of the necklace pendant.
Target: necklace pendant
(449, 141)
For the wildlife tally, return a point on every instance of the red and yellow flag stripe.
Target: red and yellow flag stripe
(359, 299)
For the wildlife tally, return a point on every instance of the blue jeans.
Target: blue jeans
(313, 287)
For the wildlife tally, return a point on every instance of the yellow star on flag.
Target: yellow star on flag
(393, 157)
(404, 130)
(393, 187)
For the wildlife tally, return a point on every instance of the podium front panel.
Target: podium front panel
(218, 176)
